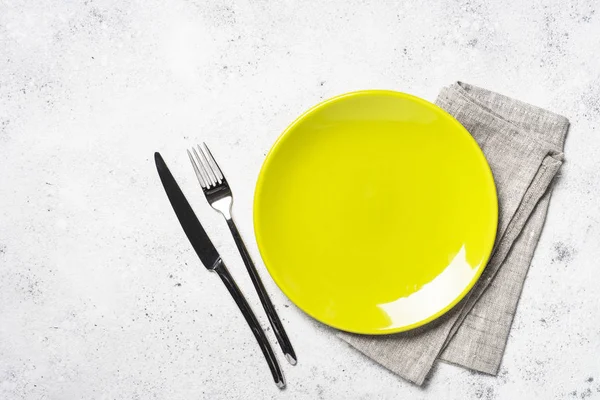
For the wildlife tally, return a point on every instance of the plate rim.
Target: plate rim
(368, 92)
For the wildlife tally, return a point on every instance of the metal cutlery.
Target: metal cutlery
(219, 196)
(211, 259)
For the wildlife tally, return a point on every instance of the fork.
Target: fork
(219, 196)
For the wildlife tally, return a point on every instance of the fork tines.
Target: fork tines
(207, 170)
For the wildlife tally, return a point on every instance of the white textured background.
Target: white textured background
(101, 295)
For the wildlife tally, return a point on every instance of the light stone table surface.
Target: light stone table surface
(101, 295)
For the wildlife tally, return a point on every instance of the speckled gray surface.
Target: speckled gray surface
(101, 297)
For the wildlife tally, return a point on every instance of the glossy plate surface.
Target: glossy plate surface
(375, 212)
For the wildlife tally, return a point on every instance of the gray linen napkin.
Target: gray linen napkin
(523, 145)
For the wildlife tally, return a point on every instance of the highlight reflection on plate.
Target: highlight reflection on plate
(375, 212)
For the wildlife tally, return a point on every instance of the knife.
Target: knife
(211, 259)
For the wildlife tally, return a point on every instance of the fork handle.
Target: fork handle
(259, 334)
(280, 334)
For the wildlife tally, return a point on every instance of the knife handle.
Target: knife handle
(237, 295)
(280, 334)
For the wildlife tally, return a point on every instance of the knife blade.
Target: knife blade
(211, 259)
(194, 231)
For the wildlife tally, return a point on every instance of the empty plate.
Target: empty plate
(375, 212)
